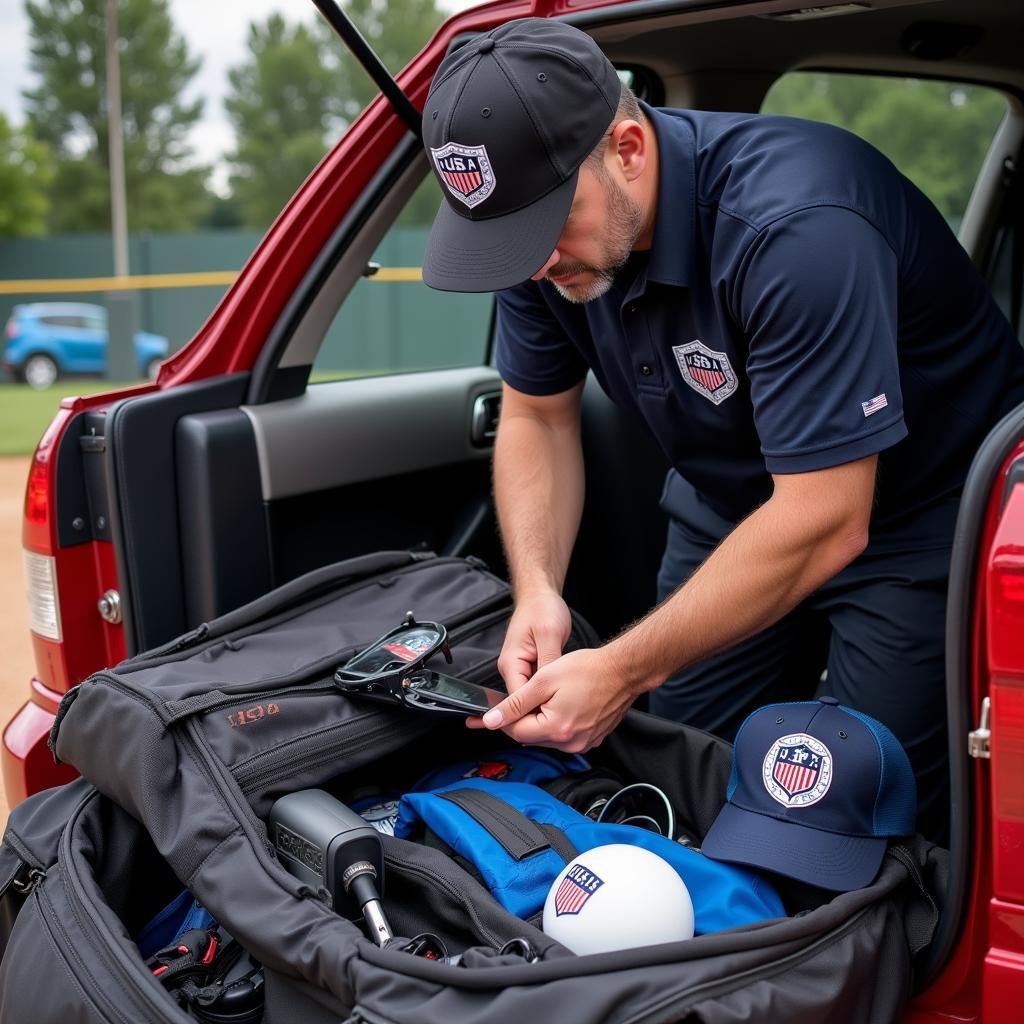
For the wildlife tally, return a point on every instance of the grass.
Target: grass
(25, 414)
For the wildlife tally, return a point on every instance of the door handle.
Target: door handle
(484, 422)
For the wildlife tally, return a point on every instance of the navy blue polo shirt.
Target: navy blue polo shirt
(802, 305)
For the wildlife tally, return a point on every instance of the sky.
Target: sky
(215, 30)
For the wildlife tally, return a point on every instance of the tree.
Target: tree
(397, 30)
(68, 111)
(936, 133)
(25, 171)
(300, 87)
(282, 102)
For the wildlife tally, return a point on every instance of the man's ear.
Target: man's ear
(629, 145)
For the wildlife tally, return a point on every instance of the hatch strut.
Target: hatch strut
(363, 52)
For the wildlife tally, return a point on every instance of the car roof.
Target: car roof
(972, 40)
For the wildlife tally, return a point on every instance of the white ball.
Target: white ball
(617, 897)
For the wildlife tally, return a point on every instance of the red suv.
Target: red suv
(151, 510)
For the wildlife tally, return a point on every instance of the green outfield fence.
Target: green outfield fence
(389, 322)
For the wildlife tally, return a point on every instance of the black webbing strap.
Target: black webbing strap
(921, 915)
(517, 834)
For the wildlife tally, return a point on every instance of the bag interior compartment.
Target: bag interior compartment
(121, 880)
(690, 766)
(427, 891)
(119, 867)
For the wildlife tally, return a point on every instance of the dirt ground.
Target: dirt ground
(16, 662)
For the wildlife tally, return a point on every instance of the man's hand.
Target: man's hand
(812, 527)
(536, 635)
(570, 704)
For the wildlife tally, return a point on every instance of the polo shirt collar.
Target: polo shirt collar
(675, 231)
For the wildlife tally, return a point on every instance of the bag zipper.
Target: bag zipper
(223, 785)
(192, 641)
(903, 855)
(28, 871)
(268, 764)
(106, 942)
(62, 944)
(226, 696)
(179, 643)
(278, 762)
(23, 881)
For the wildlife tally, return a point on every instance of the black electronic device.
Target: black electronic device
(327, 845)
(392, 670)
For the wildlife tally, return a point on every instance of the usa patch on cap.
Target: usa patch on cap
(466, 172)
(797, 770)
(816, 793)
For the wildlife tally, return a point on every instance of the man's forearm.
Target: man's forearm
(761, 571)
(538, 489)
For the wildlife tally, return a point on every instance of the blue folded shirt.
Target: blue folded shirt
(723, 896)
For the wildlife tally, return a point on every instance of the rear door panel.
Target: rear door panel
(213, 505)
(380, 462)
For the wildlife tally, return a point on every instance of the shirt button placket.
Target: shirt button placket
(644, 369)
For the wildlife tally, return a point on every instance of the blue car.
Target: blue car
(47, 340)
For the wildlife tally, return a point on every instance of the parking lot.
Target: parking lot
(16, 664)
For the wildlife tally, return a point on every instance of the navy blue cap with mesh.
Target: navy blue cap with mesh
(817, 791)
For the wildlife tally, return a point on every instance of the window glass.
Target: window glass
(392, 322)
(936, 133)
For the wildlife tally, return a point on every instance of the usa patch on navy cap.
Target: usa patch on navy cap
(816, 793)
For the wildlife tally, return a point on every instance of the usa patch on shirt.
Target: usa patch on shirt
(466, 171)
(708, 372)
(874, 404)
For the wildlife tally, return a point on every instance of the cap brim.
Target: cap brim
(825, 859)
(464, 255)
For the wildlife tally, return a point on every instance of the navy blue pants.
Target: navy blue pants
(873, 637)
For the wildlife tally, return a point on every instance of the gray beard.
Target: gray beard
(625, 221)
(601, 283)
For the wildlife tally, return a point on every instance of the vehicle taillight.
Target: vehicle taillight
(69, 638)
(11, 329)
(37, 495)
(41, 589)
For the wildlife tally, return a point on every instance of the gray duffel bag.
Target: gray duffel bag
(185, 749)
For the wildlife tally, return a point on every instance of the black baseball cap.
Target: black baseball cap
(509, 119)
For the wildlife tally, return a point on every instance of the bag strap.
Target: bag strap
(517, 834)
(922, 913)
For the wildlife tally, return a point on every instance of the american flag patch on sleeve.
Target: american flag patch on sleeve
(874, 404)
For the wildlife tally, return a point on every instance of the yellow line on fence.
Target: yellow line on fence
(56, 285)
